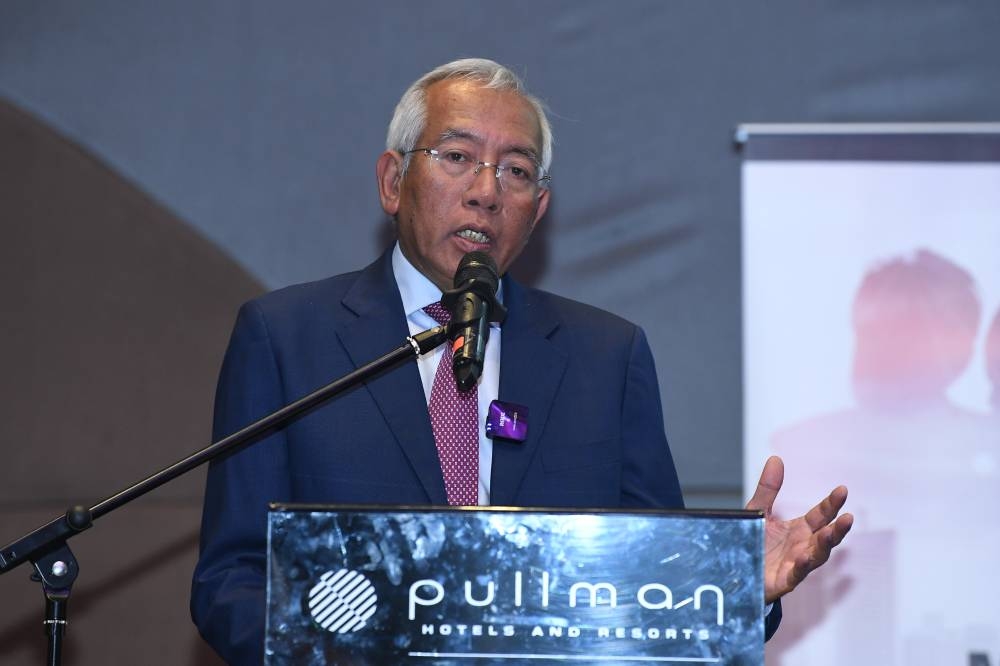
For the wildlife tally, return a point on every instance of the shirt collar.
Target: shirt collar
(415, 288)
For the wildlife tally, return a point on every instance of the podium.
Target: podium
(365, 585)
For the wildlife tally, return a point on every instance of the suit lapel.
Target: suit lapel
(379, 327)
(531, 370)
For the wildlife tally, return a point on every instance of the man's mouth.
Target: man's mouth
(474, 236)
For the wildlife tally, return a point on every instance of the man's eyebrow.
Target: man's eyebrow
(530, 153)
(453, 133)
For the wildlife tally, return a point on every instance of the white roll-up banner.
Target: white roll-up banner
(871, 329)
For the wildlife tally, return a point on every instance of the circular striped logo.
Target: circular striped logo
(342, 601)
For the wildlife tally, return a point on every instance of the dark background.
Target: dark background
(162, 162)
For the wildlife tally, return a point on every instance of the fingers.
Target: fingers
(827, 539)
(824, 541)
(826, 511)
(771, 478)
(800, 569)
(840, 528)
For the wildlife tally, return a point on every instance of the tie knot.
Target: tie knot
(438, 312)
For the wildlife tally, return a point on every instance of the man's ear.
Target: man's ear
(543, 205)
(389, 173)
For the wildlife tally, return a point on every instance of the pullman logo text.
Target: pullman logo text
(342, 601)
(651, 596)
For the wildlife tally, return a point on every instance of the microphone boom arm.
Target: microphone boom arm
(48, 551)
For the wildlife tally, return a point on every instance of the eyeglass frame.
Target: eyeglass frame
(436, 155)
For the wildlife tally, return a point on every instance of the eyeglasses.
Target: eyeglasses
(518, 174)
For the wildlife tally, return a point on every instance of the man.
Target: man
(465, 169)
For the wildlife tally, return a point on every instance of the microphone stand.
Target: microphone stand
(56, 568)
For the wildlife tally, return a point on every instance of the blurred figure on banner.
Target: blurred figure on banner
(992, 354)
(923, 470)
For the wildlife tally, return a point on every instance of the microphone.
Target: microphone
(473, 305)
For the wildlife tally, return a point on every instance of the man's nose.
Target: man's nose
(484, 190)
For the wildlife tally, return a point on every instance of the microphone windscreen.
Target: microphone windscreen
(480, 267)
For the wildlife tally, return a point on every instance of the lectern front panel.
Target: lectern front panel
(363, 585)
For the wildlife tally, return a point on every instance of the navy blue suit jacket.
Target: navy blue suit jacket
(596, 436)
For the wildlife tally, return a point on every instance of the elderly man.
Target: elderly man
(465, 170)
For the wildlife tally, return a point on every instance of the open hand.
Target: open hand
(794, 548)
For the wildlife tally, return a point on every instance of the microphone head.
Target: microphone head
(480, 268)
(477, 275)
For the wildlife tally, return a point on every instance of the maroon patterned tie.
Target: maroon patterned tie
(455, 421)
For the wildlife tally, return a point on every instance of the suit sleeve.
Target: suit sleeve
(228, 589)
(649, 478)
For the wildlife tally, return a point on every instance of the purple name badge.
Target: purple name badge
(507, 421)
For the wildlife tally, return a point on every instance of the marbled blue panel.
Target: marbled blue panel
(519, 569)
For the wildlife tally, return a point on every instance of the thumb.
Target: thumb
(771, 478)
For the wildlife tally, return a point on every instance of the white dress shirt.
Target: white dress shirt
(417, 292)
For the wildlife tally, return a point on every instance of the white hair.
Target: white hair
(410, 118)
